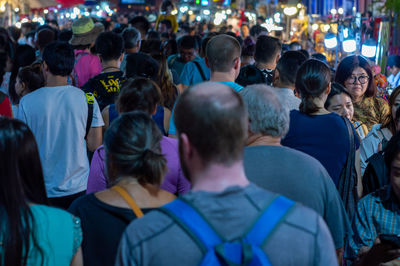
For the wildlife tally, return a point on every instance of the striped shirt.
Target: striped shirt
(377, 213)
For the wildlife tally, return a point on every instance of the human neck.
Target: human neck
(265, 65)
(56, 81)
(222, 76)
(131, 51)
(284, 86)
(358, 99)
(218, 177)
(263, 140)
(110, 66)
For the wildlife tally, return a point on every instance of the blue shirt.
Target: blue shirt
(324, 137)
(191, 74)
(172, 128)
(377, 213)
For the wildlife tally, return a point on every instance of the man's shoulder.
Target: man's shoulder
(153, 224)
(267, 152)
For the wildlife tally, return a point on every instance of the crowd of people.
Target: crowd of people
(141, 144)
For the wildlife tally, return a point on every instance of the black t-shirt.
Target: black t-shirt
(102, 228)
(105, 87)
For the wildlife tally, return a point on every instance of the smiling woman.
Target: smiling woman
(355, 74)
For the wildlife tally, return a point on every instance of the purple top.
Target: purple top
(174, 180)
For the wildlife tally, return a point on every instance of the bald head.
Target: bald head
(221, 53)
(214, 118)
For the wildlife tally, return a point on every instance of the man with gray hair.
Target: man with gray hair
(132, 42)
(286, 171)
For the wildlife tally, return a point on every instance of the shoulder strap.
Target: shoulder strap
(272, 216)
(193, 223)
(200, 70)
(128, 198)
(3, 96)
(90, 102)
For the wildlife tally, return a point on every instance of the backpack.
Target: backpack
(376, 174)
(246, 250)
(250, 75)
(90, 102)
(347, 184)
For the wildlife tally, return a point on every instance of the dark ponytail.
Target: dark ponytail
(132, 145)
(313, 78)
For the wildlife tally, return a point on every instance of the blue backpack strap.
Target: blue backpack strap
(269, 220)
(193, 223)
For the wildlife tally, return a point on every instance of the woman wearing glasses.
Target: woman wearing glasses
(355, 74)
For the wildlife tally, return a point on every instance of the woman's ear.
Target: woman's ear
(328, 90)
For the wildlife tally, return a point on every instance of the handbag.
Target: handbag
(347, 185)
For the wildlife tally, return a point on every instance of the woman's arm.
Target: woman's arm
(77, 260)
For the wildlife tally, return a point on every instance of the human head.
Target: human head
(24, 56)
(188, 48)
(394, 64)
(132, 145)
(58, 59)
(268, 50)
(245, 31)
(15, 33)
(44, 37)
(141, 24)
(258, 30)
(286, 69)
(141, 65)
(165, 26)
(27, 27)
(223, 54)
(205, 41)
(85, 32)
(65, 35)
(355, 74)
(132, 39)
(294, 46)
(211, 122)
(153, 35)
(340, 101)
(30, 78)
(138, 94)
(109, 46)
(267, 115)
(319, 57)
(167, 6)
(312, 81)
(394, 104)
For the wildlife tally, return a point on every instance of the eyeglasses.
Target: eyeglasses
(361, 79)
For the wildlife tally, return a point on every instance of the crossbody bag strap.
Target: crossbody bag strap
(203, 76)
(128, 199)
(90, 101)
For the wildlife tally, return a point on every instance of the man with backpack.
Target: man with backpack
(225, 219)
(65, 124)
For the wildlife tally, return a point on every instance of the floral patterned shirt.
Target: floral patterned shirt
(371, 111)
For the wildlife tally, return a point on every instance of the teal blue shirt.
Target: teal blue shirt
(172, 128)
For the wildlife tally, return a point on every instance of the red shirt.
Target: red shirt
(5, 108)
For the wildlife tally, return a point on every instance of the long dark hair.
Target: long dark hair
(21, 183)
(346, 68)
(312, 79)
(132, 145)
(165, 81)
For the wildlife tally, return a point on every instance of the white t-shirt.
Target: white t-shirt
(57, 117)
(394, 81)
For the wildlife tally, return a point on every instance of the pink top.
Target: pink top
(174, 180)
(86, 67)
